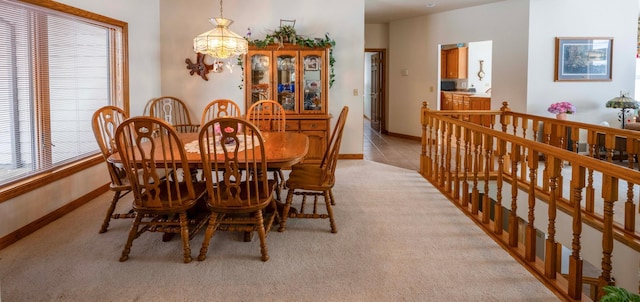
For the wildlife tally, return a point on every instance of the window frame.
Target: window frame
(39, 179)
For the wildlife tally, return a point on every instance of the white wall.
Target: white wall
(480, 51)
(415, 46)
(142, 17)
(579, 18)
(343, 20)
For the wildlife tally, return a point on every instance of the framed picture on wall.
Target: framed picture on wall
(583, 59)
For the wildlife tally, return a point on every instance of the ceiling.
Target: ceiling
(384, 11)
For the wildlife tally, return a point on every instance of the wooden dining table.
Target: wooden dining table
(283, 149)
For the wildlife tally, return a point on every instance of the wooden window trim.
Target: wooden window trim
(27, 184)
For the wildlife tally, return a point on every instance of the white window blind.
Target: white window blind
(56, 69)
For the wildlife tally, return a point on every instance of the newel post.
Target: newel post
(504, 118)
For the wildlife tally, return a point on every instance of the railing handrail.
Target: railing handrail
(445, 137)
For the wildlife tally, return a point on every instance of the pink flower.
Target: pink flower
(561, 107)
(228, 130)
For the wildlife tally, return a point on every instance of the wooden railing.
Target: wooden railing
(522, 176)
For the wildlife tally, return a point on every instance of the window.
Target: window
(58, 64)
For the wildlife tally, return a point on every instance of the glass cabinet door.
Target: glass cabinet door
(259, 76)
(312, 79)
(285, 74)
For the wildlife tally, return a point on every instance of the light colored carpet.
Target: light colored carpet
(398, 239)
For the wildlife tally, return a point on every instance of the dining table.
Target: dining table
(282, 149)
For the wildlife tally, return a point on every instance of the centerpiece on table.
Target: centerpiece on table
(561, 109)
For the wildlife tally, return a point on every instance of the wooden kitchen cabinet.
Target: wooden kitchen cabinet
(446, 101)
(297, 78)
(466, 101)
(454, 63)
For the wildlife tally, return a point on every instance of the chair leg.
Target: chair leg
(327, 201)
(184, 234)
(133, 233)
(263, 236)
(112, 208)
(333, 200)
(277, 176)
(285, 211)
(211, 228)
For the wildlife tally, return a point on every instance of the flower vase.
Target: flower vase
(562, 116)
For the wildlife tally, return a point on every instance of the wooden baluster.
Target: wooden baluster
(609, 145)
(610, 195)
(430, 142)
(592, 137)
(456, 185)
(547, 130)
(467, 165)
(477, 145)
(629, 207)
(575, 138)
(534, 129)
(513, 217)
(443, 130)
(502, 145)
(488, 153)
(550, 259)
(530, 242)
(448, 181)
(575, 261)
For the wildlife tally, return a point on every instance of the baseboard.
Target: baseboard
(350, 156)
(43, 221)
(413, 138)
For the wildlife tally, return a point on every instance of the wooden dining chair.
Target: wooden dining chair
(240, 195)
(220, 108)
(155, 162)
(269, 115)
(315, 180)
(174, 111)
(104, 123)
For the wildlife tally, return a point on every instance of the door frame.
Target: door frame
(383, 86)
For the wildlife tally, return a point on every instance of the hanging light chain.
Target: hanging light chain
(221, 16)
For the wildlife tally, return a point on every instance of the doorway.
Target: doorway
(374, 88)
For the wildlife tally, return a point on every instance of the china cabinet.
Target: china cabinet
(297, 78)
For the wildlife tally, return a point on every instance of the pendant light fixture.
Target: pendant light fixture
(220, 42)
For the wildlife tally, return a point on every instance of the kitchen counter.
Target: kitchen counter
(477, 94)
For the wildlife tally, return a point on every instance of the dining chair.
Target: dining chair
(240, 195)
(174, 111)
(315, 180)
(269, 115)
(219, 108)
(104, 122)
(155, 162)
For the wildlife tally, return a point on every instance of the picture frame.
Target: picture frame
(583, 59)
(311, 63)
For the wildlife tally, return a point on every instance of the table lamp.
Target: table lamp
(623, 102)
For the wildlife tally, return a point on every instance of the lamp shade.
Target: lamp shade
(623, 102)
(220, 42)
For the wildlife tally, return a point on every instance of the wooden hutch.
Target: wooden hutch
(297, 77)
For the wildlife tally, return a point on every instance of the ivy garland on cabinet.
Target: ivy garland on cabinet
(287, 34)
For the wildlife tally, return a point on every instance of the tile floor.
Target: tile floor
(390, 150)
